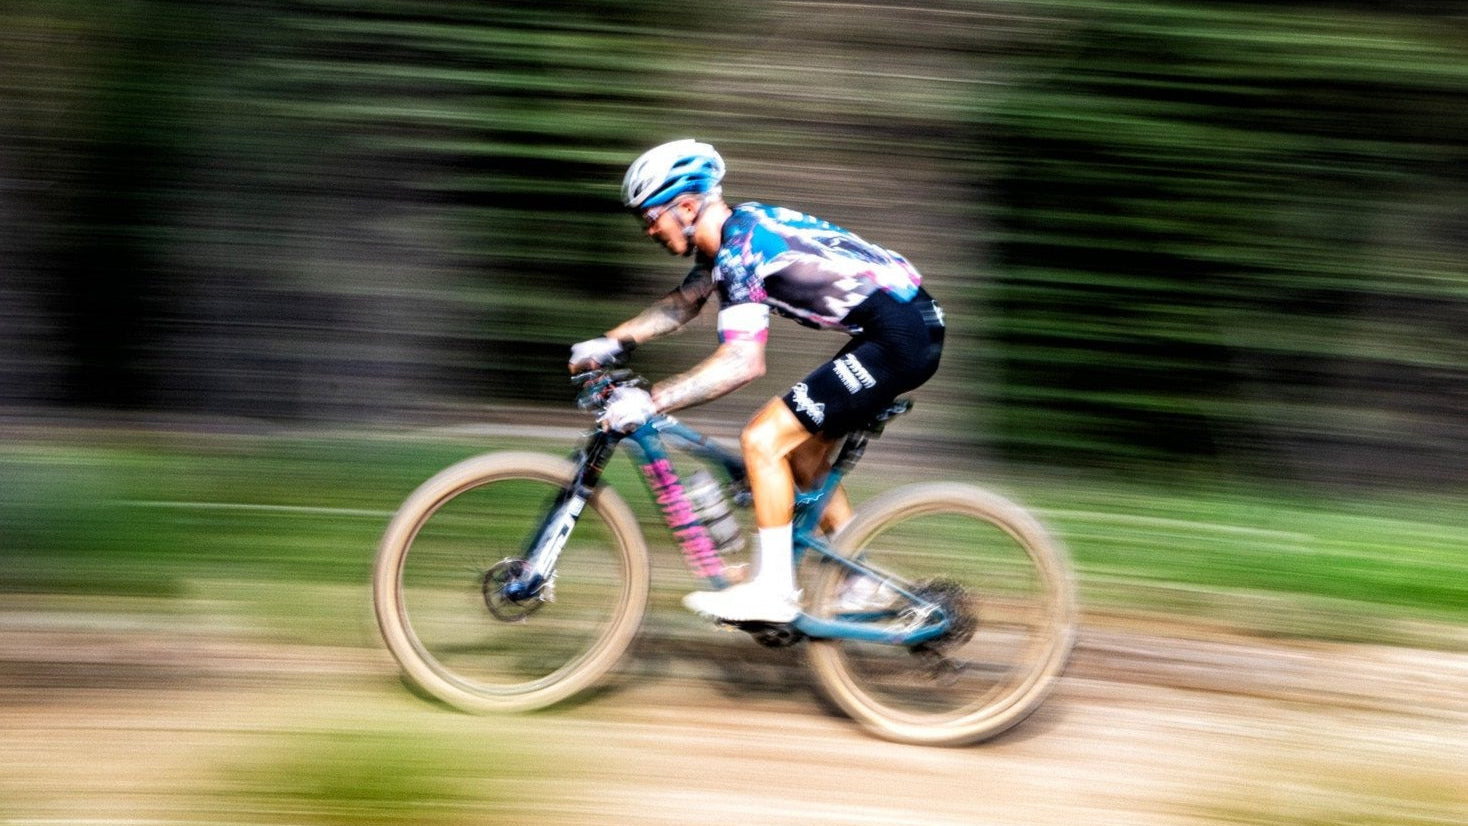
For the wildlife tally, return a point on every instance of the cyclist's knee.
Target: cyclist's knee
(759, 441)
(772, 433)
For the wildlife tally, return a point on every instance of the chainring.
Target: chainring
(770, 634)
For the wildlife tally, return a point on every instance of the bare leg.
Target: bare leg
(769, 441)
(810, 462)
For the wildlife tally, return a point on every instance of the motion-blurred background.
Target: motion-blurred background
(1224, 234)
(267, 264)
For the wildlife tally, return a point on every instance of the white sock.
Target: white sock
(776, 560)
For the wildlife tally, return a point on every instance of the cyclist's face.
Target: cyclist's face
(665, 224)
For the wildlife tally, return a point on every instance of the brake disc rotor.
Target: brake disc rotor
(505, 608)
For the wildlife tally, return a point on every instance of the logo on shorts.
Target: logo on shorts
(853, 374)
(800, 394)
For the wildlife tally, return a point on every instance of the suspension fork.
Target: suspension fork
(539, 567)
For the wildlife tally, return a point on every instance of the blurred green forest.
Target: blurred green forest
(1182, 234)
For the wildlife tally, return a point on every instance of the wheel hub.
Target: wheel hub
(510, 591)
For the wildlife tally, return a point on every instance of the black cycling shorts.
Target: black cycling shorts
(897, 350)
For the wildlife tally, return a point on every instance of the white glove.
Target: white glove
(627, 409)
(595, 352)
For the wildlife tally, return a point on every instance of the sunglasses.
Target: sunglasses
(650, 216)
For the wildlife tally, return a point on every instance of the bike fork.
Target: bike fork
(533, 577)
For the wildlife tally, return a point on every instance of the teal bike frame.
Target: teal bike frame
(915, 621)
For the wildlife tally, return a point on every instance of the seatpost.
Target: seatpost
(856, 441)
(851, 452)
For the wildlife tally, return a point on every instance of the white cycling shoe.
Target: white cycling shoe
(746, 602)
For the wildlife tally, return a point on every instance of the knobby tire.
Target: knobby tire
(428, 586)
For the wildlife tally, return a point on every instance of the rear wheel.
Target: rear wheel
(992, 570)
(441, 571)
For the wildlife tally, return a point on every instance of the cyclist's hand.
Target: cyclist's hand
(627, 409)
(595, 352)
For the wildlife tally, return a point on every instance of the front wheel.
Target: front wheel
(442, 562)
(1005, 587)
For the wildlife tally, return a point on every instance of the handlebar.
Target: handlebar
(594, 387)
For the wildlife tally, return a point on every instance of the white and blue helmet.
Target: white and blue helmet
(672, 169)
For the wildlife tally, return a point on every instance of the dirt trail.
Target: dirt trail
(104, 725)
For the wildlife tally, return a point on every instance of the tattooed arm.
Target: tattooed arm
(739, 360)
(730, 367)
(669, 313)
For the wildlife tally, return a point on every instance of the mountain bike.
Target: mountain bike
(940, 614)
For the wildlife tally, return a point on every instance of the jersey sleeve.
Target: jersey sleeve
(744, 322)
(746, 248)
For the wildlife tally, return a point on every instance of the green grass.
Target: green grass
(342, 778)
(1382, 553)
(198, 516)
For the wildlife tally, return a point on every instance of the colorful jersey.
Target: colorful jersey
(800, 266)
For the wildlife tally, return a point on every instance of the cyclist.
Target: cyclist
(757, 258)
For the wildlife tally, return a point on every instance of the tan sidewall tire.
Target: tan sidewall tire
(1053, 569)
(387, 592)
